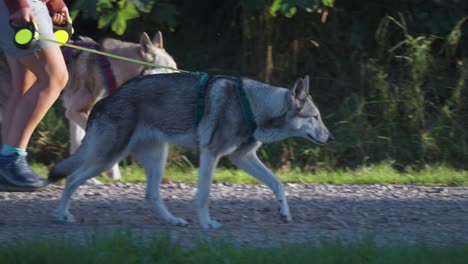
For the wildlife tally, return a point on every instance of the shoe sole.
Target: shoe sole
(12, 188)
(7, 181)
(9, 186)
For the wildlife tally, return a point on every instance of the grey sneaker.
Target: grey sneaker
(17, 176)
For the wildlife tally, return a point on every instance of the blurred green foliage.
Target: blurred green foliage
(390, 77)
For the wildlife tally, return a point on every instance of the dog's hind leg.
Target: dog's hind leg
(95, 155)
(153, 159)
(208, 163)
(249, 162)
(74, 180)
(77, 124)
(77, 134)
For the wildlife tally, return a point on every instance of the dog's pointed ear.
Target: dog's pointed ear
(145, 45)
(145, 39)
(158, 40)
(300, 90)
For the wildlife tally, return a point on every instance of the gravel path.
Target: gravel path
(388, 213)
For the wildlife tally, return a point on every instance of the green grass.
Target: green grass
(122, 247)
(375, 174)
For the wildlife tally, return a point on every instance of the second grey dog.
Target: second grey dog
(151, 112)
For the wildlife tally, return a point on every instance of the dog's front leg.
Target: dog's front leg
(76, 135)
(250, 163)
(208, 162)
(154, 161)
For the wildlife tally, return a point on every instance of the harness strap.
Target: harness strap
(244, 104)
(246, 109)
(102, 60)
(107, 71)
(204, 77)
(67, 54)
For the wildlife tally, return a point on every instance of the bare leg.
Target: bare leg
(37, 82)
(21, 80)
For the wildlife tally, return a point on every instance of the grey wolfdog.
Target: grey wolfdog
(151, 112)
(88, 83)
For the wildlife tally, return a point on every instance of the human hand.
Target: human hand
(22, 17)
(61, 17)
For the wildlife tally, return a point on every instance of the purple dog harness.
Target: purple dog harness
(103, 62)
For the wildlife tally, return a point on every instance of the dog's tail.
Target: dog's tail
(64, 168)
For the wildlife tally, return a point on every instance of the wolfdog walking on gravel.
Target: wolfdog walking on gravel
(219, 115)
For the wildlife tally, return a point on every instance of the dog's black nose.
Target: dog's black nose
(330, 138)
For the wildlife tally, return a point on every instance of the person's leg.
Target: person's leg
(38, 75)
(33, 102)
(21, 80)
(27, 106)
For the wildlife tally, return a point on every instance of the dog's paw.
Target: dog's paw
(114, 173)
(63, 217)
(286, 217)
(210, 225)
(177, 221)
(284, 211)
(93, 181)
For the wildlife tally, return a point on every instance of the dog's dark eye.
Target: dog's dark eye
(316, 117)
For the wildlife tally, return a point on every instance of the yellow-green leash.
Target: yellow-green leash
(26, 34)
(109, 54)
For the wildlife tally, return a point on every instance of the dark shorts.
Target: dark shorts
(45, 28)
